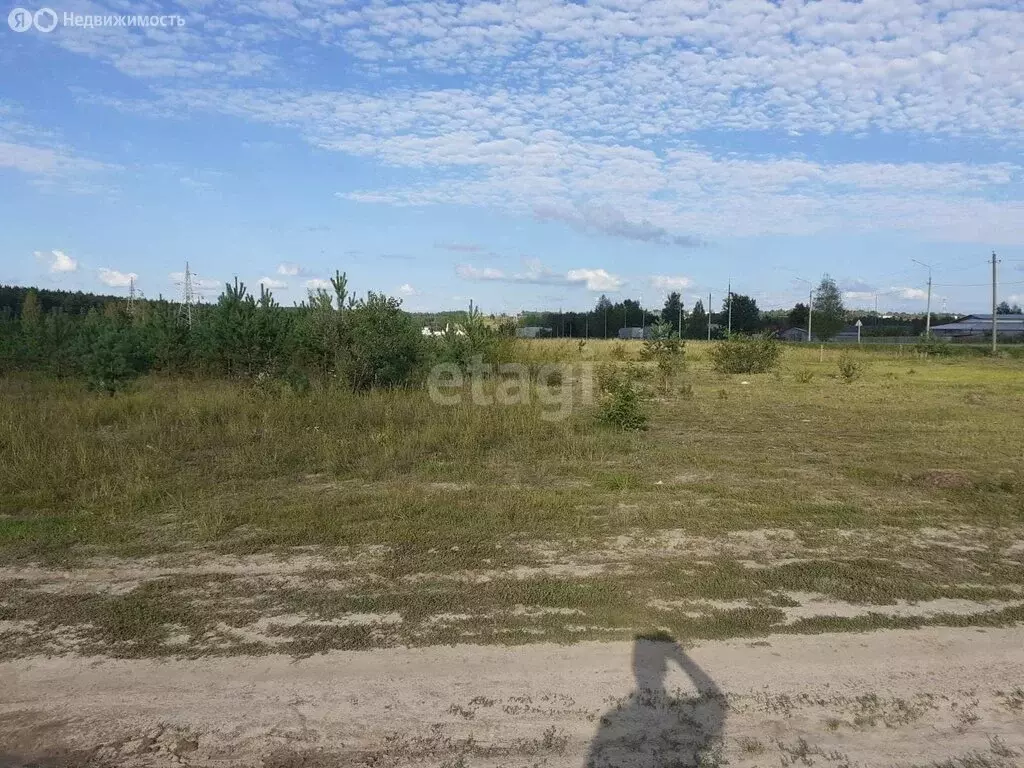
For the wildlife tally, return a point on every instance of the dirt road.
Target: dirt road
(916, 697)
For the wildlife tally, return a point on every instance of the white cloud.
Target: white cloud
(912, 293)
(407, 290)
(611, 183)
(537, 274)
(57, 261)
(44, 160)
(318, 284)
(38, 153)
(469, 272)
(671, 283)
(271, 283)
(289, 269)
(595, 279)
(115, 279)
(608, 220)
(584, 113)
(858, 296)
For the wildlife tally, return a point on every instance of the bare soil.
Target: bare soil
(918, 697)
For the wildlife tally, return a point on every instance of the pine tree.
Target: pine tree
(697, 323)
(671, 313)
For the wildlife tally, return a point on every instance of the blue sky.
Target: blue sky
(523, 154)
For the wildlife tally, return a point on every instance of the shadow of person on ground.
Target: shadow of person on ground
(657, 728)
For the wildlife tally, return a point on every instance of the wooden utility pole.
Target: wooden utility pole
(730, 306)
(810, 311)
(709, 316)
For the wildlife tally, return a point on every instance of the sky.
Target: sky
(523, 155)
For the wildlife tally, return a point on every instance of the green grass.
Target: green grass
(176, 467)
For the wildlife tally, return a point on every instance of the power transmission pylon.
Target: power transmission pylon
(188, 297)
(131, 295)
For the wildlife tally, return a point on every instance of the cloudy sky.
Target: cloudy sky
(523, 154)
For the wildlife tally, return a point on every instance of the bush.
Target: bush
(931, 346)
(746, 354)
(849, 369)
(474, 342)
(667, 350)
(804, 376)
(386, 349)
(624, 398)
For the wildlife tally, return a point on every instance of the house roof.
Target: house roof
(999, 318)
(983, 323)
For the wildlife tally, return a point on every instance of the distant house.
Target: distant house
(981, 325)
(457, 330)
(635, 332)
(533, 332)
(793, 334)
(849, 333)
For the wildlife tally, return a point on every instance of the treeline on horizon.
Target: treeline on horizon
(359, 342)
(362, 343)
(604, 321)
(607, 318)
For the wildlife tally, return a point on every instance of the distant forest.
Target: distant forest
(604, 321)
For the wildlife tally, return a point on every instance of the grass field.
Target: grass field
(195, 517)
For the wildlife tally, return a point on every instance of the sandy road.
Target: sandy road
(884, 698)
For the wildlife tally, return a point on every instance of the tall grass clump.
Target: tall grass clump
(746, 354)
(849, 369)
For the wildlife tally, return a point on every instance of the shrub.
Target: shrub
(667, 350)
(473, 342)
(849, 369)
(804, 376)
(931, 346)
(624, 399)
(386, 349)
(746, 354)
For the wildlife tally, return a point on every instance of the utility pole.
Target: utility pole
(730, 306)
(680, 331)
(810, 311)
(994, 262)
(606, 321)
(709, 315)
(928, 320)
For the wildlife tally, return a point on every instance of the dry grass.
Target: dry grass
(182, 466)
